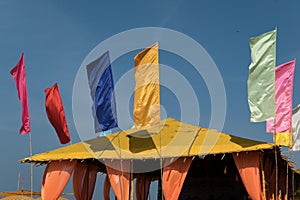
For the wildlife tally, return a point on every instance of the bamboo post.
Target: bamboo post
(276, 161)
(276, 171)
(263, 177)
(19, 181)
(131, 181)
(121, 164)
(31, 166)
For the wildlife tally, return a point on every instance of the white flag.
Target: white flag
(296, 128)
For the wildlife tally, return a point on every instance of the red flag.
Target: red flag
(19, 75)
(56, 114)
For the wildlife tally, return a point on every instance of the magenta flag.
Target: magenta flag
(284, 97)
(19, 75)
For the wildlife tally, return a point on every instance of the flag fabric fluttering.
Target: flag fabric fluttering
(19, 75)
(284, 99)
(296, 128)
(261, 79)
(102, 92)
(56, 114)
(147, 90)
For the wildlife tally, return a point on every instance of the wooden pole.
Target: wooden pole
(121, 164)
(263, 176)
(31, 166)
(19, 176)
(131, 181)
(161, 168)
(276, 161)
(293, 184)
(276, 171)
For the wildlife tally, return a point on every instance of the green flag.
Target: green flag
(261, 80)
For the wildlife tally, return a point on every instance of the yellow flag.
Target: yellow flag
(284, 139)
(146, 109)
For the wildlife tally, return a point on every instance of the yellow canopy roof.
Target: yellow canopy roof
(170, 139)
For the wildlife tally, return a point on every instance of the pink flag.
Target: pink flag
(284, 96)
(19, 75)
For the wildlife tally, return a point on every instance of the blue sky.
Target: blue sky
(56, 37)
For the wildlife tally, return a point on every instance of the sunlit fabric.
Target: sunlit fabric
(147, 90)
(296, 128)
(261, 79)
(283, 139)
(284, 100)
(102, 92)
(84, 179)
(56, 177)
(173, 177)
(119, 177)
(171, 133)
(19, 75)
(56, 114)
(248, 165)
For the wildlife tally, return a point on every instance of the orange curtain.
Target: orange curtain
(106, 189)
(119, 178)
(270, 178)
(173, 177)
(143, 182)
(84, 179)
(56, 177)
(248, 165)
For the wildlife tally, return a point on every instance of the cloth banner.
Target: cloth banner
(143, 182)
(19, 75)
(106, 189)
(146, 109)
(261, 79)
(270, 178)
(56, 177)
(248, 165)
(119, 177)
(84, 179)
(56, 114)
(296, 129)
(284, 101)
(102, 92)
(173, 177)
(282, 184)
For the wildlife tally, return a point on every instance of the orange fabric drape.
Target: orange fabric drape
(270, 178)
(56, 177)
(106, 189)
(173, 177)
(119, 178)
(84, 179)
(143, 182)
(248, 165)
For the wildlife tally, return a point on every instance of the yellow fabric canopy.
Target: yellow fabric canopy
(169, 139)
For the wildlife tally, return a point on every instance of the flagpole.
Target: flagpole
(276, 168)
(19, 175)
(276, 161)
(31, 165)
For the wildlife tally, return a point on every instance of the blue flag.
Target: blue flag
(102, 92)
